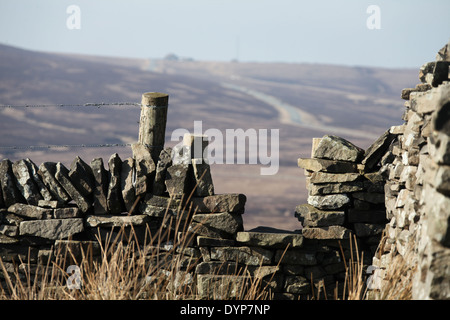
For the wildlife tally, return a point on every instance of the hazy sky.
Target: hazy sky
(316, 31)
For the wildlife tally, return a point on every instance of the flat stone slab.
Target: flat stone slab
(323, 177)
(337, 148)
(53, 229)
(30, 212)
(324, 165)
(310, 216)
(334, 188)
(116, 221)
(254, 256)
(66, 213)
(273, 240)
(323, 233)
(329, 202)
(230, 202)
(216, 225)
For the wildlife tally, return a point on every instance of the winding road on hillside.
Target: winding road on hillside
(293, 115)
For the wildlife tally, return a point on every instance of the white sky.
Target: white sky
(315, 31)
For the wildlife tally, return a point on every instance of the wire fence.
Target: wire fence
(90, 105)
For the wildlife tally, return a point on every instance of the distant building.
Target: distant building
(171, 57)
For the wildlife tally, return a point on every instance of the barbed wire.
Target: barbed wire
(96, 104)
(90, 104)
(105, 145)
(93, 104)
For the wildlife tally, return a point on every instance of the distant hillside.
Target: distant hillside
(302, 100)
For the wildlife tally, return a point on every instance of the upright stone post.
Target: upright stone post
(152, 125)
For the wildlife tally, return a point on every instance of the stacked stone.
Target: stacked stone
(42, 206)
(345, 190)
(417, 191)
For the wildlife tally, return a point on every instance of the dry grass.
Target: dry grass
(125, 269)
(162, 269)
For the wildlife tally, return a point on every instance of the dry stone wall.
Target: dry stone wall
(418, 189)
(399, 186)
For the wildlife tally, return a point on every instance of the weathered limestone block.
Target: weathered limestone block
(145, 168)
(164, 162)
(62, 175)
(329, 202)
(433, 269)
(47, 172)
(101, 186)
(272, 240)
(66, 213)
(229, 202)
(442, 180)
(337, 148)
(217, 225)
(439, 147)
(177, 180)
(253, 256)
(116, 221)
(81, 176)
(10, 192)
(331, 232)
(322, 177)
(30, 212)
(438, 215)
(161, 202)
(334, 188)
(429, 101)
(114, 198)
(25, 183)
(126, 183)
(377, 150)
(203, 181)
(310, 216)
(52, 229)
(332, 166)
(33, 170)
